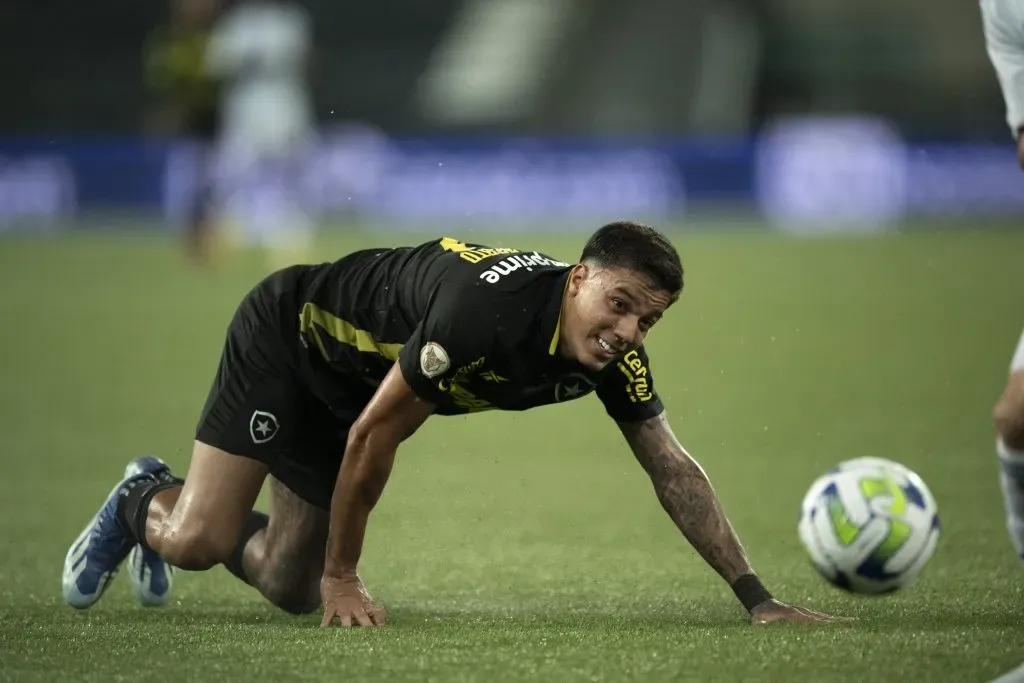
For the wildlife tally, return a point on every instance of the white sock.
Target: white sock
(1011, 479)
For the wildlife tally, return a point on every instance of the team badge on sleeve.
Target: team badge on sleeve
(434, 360)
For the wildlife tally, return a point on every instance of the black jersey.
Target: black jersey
(473, 328)
(176, 74)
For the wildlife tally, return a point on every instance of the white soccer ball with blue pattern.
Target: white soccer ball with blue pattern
(870, 525)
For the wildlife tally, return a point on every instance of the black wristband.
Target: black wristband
(750, 591)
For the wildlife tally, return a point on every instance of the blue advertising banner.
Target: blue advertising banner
(801, 172)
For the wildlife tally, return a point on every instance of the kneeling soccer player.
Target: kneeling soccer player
(328, 368)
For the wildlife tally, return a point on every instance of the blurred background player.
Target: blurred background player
(185, 104)
(1003, 22)
(260, 50)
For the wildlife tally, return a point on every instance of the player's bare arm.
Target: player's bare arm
(686, 494)
(394, 413)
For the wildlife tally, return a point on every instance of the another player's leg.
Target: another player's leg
(200, 233)
(271, 211)
(1009, 420)
(289, 239)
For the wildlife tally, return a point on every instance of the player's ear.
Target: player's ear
(577, 277)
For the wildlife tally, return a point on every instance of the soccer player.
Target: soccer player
(261, 51)
(186, 103)
(1003, 22)
(328, 368)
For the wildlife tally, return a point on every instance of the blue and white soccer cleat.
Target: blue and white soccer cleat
(93, 559)
(150, 576)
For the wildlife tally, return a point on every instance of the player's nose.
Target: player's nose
(627, 331)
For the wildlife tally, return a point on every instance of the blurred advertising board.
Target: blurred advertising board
(805, 174)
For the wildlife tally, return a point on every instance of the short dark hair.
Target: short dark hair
(639, 248)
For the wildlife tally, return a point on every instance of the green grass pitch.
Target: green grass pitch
(525, 547)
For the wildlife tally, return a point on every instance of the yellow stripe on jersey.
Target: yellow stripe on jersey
(553, 346)
(342, 331)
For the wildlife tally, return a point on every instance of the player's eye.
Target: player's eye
(618, 304)
(646, 325)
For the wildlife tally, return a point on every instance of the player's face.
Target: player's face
(608, 313)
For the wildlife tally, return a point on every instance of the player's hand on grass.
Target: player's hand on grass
(346, 601)
(772, 610)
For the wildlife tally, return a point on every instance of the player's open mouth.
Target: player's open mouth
(607, 348)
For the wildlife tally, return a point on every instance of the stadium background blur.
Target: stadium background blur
(525, 547)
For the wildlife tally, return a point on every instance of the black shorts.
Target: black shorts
(202, 124)
(259, 405)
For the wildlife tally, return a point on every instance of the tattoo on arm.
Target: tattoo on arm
(686, 494)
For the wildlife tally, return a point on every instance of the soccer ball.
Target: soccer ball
(869, 525)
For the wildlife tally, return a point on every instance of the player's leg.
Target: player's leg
(195, 526)
(169, 519)
(1009, 421)
(247, 422)
(281, 555)
(274, 218)
(1009, 410)
(191, 525)
(151, 578)
(285, 560)
(200, 225)
(291, 240)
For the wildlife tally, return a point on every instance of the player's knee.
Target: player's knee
(290, 581)
(197, 547)
(1008, 416)
(300, 596)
